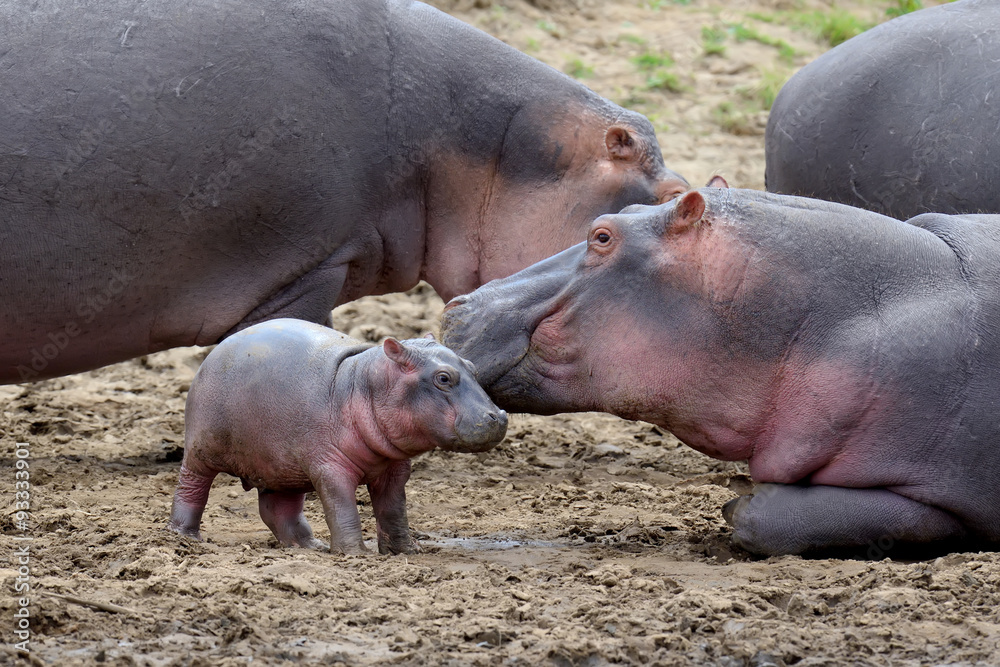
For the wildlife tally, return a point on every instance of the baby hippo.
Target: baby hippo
(289, 407)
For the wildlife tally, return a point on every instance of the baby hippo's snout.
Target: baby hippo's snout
(480, 431)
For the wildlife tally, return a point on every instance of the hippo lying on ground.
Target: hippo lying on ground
(852, 359)
(174, 172)
(290, 407)
(900, 120)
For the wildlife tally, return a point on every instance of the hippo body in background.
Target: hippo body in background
(174, 172)
(852, 359)
(290, 406)
(900, 120)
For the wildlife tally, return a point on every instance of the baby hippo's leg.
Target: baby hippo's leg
(337, 490)
(282, 512)
(189, 501)
(389, 505)
(784, 519)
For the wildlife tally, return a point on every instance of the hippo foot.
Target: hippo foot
(781, 519)
(351, 550)
(408, 546)
(310, 543)
(185, 531)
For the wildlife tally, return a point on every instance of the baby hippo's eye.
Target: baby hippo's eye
(443, 380)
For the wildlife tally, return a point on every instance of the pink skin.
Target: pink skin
(285, 436)
(796, 335)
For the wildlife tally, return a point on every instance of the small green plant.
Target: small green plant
(658, 74)
(531, 44)
(549, 27)
(764, 92)
(712, 40)
(632, 39)
(578, 70)
(833, 26)
(839, 26)
(648, 60)
(734, 119)
(743, 33)
(904, 7)
(664, 80)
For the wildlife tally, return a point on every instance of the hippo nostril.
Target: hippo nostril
(492, 416)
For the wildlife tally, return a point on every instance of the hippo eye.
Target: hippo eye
(601, 238)
(443, 380)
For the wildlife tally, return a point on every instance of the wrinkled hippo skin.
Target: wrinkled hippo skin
(852, 359)
(290, 407)
(174, 172)
(900, 120)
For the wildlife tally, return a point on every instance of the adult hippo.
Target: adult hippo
(172, 172)
(900, 120)
(852, 359)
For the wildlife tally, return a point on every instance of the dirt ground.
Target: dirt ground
(581, 540)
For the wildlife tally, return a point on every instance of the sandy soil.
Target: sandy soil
(581, 540)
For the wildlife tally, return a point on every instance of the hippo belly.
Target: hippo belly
(173, 173)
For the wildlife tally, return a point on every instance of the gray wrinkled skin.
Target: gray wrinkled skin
(173, 172)
(900, 120)
(852, 359)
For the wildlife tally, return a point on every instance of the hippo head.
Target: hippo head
(443, 402)
(558, 169)
(646, 319)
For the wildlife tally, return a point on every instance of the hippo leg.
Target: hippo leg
(389, 505)
(338, 493)
(784, 519)
(282, 512)
(189, 501)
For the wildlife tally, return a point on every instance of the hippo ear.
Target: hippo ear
(717, 182)
(398, 353)
(689, 210)
(621, 145)
(430, 336)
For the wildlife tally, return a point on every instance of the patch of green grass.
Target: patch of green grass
(577, 69)
(632, 39)
(743, 33)
(735, 119)
(764, 92)
(649, 60)
(837, 26)
(742, 115)
(664, 80)
(712, 40)
(549, 27)
(657, 67)
(532, 45)
(833, 26)
(904, 7)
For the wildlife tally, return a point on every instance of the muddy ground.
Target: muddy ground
(581, 540)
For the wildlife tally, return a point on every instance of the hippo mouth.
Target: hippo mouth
(479, 434)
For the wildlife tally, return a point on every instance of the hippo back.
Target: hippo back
(901, 120)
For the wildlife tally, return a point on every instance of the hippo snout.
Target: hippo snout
(478, 433)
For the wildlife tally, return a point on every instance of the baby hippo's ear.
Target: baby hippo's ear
(686, 214)
(430, 336)
(717, 182)
(398, 353)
